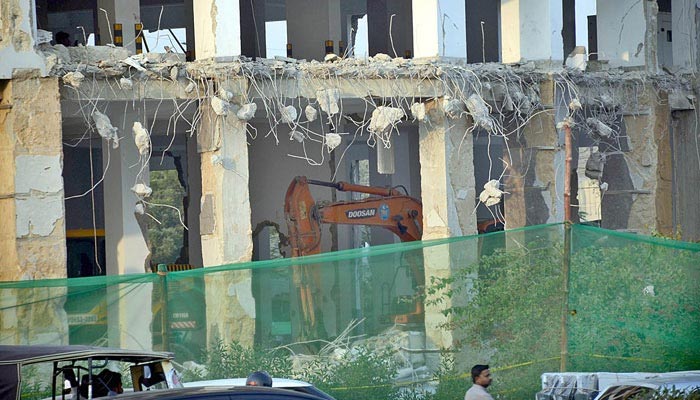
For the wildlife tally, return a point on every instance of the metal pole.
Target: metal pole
(567, 249)
(163, 274)
(567, 172)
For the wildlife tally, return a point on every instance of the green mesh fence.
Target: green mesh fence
(403, 321)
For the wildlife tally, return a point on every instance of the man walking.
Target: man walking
(481, 376)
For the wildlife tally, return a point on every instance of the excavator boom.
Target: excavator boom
(389, 209)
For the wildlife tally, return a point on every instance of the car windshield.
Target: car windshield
(627, 392)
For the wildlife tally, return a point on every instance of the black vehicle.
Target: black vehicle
(81, 365)
(221, 393)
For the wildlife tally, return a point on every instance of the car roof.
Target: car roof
(247, 392)
(27, 354)
(683, 382)
(276, 382)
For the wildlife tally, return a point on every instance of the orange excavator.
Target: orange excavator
(385, 207)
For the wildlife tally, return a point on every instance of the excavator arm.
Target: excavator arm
(386, 207)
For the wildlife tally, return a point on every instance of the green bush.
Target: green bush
(237, 361)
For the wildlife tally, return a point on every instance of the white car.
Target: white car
(291, 384)
(685, 384)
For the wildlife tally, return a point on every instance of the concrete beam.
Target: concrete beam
(110, 90)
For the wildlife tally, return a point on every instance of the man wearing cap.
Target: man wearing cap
(481, 376)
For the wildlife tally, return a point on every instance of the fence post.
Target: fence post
(565, 306)
(163, 274)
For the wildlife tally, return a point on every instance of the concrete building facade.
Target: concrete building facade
(461, 103)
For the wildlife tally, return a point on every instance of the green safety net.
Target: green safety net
(403, 321)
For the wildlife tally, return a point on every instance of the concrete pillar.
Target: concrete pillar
(648, 129)
(225, 226)
(685, 34)
(439, 28)
(32, 152)
(534, 183)
(126, 249)
(448, 196)
(32, 238)
(531, 30)
(125, 12)
(18, 38)
(217, 25)
(621, 32)
(310, 23)
(194, 185)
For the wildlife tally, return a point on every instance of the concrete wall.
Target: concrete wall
(18, 38)
(621, 32)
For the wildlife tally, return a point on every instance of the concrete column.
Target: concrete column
(531, 30)
(125, 12)
(194, 185)
(225, 226)
(534, 182)
(126, 249)
(32, 238)
(621, 32)
(310, 23)
(685, 33)
(18, 38)
(35, 157)
(448, 196)
(217, 25)
(439, 28)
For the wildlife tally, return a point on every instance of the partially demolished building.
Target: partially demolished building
(462, 103)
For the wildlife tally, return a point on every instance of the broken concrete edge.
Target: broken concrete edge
(186, 77)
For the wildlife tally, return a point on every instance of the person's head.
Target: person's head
(259, 378)
(481, 375)
(63, 38)
(108, 383)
